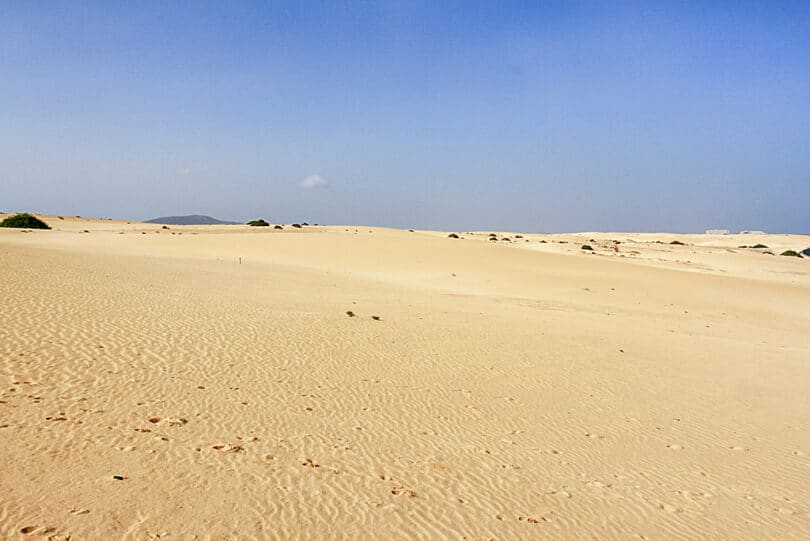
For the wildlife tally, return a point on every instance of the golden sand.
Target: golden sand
(154, 386)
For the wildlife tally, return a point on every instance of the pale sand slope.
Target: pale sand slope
(510, 391)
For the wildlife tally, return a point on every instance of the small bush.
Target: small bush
(165, 227)
(297, 226)
(758, 246)
(278, 227)
(375, 318)
(518, 236)
(24, 221)
(677, 242)
(453, 236)
(349, 313)
(791, 253)
(587, 247)
(258, 223)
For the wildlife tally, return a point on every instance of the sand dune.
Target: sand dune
(206, 382)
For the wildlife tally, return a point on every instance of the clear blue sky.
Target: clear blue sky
(455, 115)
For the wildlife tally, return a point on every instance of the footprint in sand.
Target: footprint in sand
(169, 421)
(229, 448)
(675, 446)
(397, 490)
(532, 520)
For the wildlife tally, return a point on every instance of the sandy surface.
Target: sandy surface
(509, 390)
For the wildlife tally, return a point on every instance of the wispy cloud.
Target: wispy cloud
(313, 181)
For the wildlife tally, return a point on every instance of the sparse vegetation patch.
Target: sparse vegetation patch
(24, 221)
(258, 223)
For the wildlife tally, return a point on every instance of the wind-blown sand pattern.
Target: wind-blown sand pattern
(152, 386)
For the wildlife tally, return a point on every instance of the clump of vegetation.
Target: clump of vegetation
(758, 246)
(506, 239)
(375, 318)
(791, 253)
(278, 227)
(349, 313)
(677, 242)
(24, 221)
(258, 223)
(587, 247)
(518, 236)
(165, 227)
(297, 226)
(453, 236)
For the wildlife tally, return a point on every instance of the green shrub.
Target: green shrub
(297, 226)
(677, 242)
(587, 247)
(791, 253)
(278, 227)
(24, 221)
(758, 246)
(258, 223)
(375, 318)
(453, 236)
(349, 313)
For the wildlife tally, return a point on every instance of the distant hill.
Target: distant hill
(193, 219)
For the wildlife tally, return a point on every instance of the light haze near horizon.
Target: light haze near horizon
(465, 116)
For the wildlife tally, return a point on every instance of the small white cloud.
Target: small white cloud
(313, 181)
(184, 171)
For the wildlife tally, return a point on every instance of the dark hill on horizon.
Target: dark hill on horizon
(193, 219)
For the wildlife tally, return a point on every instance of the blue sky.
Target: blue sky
(523, 116)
